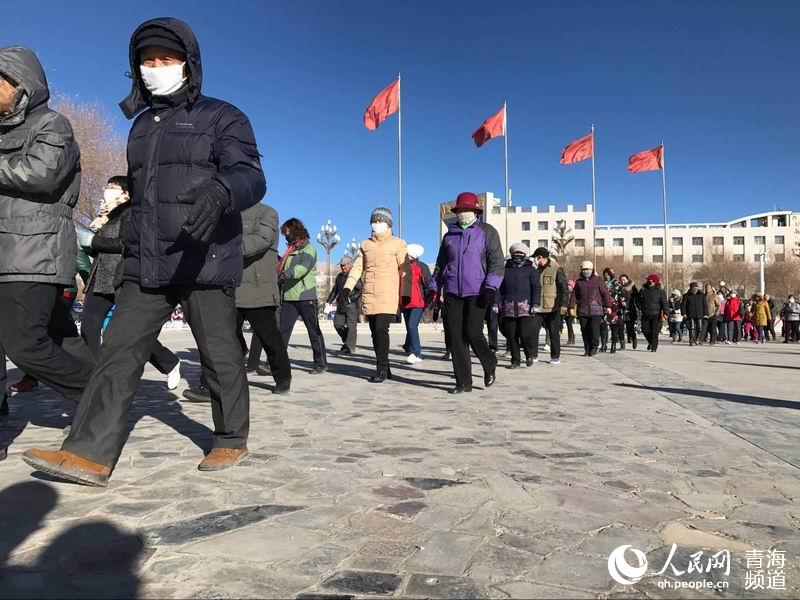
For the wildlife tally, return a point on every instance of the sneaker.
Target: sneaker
(26, 384)
(727, 342)
(174, 377)
(222, 458)
(411, 359)
(555, 361)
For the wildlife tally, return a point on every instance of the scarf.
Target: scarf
(105, 209)
(293, 247)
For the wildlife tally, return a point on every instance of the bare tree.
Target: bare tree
(782, 278)
(738, 275)
(102, 151)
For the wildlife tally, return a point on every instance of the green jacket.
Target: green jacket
(300, 274)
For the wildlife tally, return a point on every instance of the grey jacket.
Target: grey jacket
(260, 247)
(39, 180)
(107, 247)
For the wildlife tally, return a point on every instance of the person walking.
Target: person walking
(762, 317)
(675, 316)
(693, 309)
(554, 301)
(773, 311)
(630, 295)
(520, 296)
(653, 306)
(592, 301)
(419, 278)
(345, 322)
(383, 266)
(39, 184)
(710, 315)
(195, 166)
(469, 268)
(297, 279)
(733, 317)
(791, 320)
(569, 318)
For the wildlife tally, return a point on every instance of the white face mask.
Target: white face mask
(112, 194)
(163, 81)
(466, 217)
(379, 227)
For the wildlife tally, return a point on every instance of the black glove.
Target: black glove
(488, 296)
(208, 202)
(347, 292)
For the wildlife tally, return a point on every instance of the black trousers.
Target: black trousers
(100, 422)
(709, 329)
(570, 321)
(345, 322)
(464, 320)
(630, 327)
(95, 310)
(492, 325)
(590, 331)
(770, 328)
(265, 331)
(379, 328)
(651, 328)
(551, 322)
(520, 330)
(617, 333)
(255, 350)
(306, 310)
(28, 320)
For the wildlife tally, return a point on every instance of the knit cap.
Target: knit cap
(519, 247)
(382, 214)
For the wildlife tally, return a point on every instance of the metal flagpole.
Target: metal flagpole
(399, 162)
(505, 144)
(666, 233)
(594, 206)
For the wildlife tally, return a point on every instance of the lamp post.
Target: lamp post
(328, 238)
(352, 248)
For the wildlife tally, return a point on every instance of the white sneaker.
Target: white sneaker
(174, 377)
(413, 359)
(547, 347)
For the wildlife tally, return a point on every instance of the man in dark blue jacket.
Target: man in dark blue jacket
(194, 166)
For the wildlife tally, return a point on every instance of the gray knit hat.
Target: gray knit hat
(346, 260)
(519, 247)
(382, 214)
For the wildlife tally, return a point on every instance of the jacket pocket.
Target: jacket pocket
(29, 245)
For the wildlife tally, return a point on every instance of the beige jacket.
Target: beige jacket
(382, 264)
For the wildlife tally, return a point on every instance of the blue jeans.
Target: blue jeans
(412, 318)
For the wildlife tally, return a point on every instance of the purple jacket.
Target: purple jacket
(470, 260)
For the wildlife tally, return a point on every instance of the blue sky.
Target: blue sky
(716, 80)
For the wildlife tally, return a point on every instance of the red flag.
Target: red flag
(649, 160)
(385, 103)
(494, 126)
(578, 150)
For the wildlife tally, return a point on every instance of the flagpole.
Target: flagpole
(666, 234)
(399, 161)
(505, 144)
(594, 206)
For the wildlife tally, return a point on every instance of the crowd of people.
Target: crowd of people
(185, 230)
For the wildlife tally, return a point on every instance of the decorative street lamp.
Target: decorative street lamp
(352, 248)
(328, 238)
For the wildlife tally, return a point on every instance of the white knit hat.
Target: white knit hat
(587, 264)
(519, 247)
(415, 250)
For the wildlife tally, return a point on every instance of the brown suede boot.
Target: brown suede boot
(68, 466)
(222, 458)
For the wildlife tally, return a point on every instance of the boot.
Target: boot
(613, 346)
(604, 346)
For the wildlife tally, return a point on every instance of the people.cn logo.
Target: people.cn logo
(623, 572)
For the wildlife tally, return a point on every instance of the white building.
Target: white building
(775, 233)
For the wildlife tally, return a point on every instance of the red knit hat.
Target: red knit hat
(467, 201)
(654, 278)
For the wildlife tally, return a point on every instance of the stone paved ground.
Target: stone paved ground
(357, 490)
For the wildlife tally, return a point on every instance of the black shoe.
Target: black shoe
(4, 406)
(461, 389)
(634, 344)
(263, 371)
(345, 350)
(513, 366)
(613, 349)
(587, 353)
(198, 394)
(282, 388)
(319, 369)
(379, 377)
(529, 362)
(593, 352)
(488, 379)
(649, 347)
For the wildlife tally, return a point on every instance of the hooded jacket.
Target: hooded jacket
(178, 143)
(39, 180)
(693, 304)
(470, 260)
(260, 248)
(590, 296)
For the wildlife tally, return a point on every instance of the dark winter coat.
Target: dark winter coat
(693, 305)
(630, 296)
(259, 286)
(470, 260)
(107, 247)
(591, 296)
(653, 300)
(181, 142)
(39, 180)
(521, 290)
(343, 301)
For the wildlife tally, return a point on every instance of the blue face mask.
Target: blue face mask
(586, 274)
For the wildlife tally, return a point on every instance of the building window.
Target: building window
(677, 241)
(738, 258)
(760, 240)
(779, 240)
(738, 240)
(495, 210)
(638, 241)
(759, 222)
(657, 241)
(658, 258)
(618, 243)
(542, 225)
(526, 226)
(757, 258)
(512, 209)
(600, 243)
(580, 243)
(580, 224)
(542, 243)
(697, 241)
(697, 258)
(677, 258)
(779, 221)
(719, 240)
(637, 258)
(527, 243)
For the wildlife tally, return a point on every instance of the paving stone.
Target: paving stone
(363, 582)
(397, 491)
(405, 509)
(500, 563)
(445, 553)
(432, 483)
(527, 589)
(442, 586)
